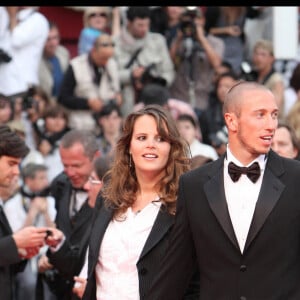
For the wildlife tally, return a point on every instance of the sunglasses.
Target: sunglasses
(106, 44)
(94, 181)
(104, 15)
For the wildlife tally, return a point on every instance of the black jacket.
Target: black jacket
(10, 262)
(149, 261)
(69, 260)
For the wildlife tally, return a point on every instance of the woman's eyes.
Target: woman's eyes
(158, 138)
(141, 138)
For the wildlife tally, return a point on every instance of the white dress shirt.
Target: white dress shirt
(122, 244)
(241, 197)
(25, 45)
(16, 216)
(16, 213)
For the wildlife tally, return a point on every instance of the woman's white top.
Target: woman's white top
(116, 270)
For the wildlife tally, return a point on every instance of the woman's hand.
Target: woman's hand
(79, 286)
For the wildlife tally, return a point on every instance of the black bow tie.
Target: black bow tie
(78, 190)
(235, 172)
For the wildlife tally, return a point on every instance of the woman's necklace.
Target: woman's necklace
(142, 201)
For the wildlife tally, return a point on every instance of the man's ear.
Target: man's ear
(231, 121)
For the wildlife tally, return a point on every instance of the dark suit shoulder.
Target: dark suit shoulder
(62, 177)
(280, 165)
(291, 163)
(59, 182)
(208, 169)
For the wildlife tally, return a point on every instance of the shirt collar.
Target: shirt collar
(261, 159)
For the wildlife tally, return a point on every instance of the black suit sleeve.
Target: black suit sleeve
(67, 260)
(9, 256)
(9, 252)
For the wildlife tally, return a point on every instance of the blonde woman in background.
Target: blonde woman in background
(97, 20)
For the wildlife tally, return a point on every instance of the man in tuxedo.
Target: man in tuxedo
(17, 247)
(241, 226)
(77, 149)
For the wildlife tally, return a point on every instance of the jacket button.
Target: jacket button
(243, 268)
(143, 271)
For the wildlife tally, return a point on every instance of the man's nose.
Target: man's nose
(16, 170)
(69, 171)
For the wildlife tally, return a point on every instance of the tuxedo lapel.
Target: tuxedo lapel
(4, 220)
(63, 200)
(161, 226)
(214, 190)
(270, 192)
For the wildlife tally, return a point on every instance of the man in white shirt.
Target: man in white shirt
(22, 38)
(32, 205)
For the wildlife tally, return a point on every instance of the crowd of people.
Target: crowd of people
(113, 163)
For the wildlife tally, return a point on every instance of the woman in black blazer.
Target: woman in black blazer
(131, 233)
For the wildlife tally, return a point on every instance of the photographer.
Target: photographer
(90, 81)
(142, 57)
(195, 55)
(28, 109)
(212, 123)
(23, 33)
(32, 205)
(49, 130)
(227, 23)
(36, 201)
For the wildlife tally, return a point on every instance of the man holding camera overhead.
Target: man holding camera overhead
(195, 54)
(142, 57)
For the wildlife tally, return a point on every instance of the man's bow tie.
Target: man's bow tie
(235, 172)
(79, 190)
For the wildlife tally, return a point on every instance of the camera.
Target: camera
(4, 57)
(247, 73)
(43, 193)
(187, 26)
(187, 22)
(28, 100)
(147, 77)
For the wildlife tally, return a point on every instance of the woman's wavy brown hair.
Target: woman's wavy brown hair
(121, 185)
